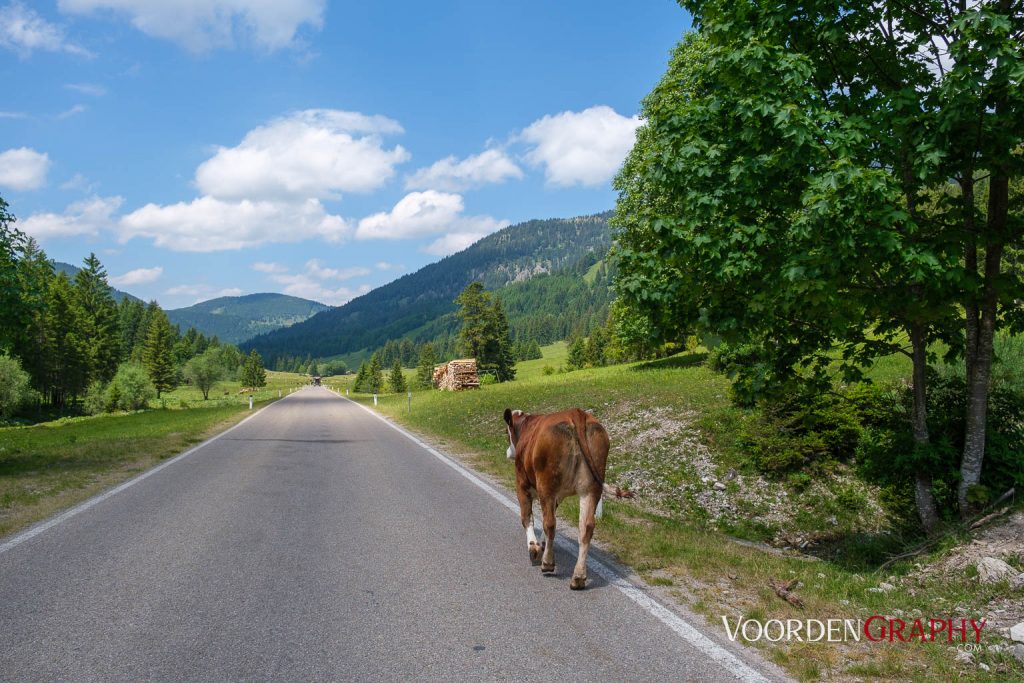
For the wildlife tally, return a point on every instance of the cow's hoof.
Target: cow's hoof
(536, 550)
(578, 583)
(547, 568)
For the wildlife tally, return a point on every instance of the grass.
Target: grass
(47, 467)
(673, 547)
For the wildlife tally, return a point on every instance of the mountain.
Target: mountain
(416, 305)
(70, 270)
(234, 319)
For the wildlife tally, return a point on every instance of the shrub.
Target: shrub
(15, 386)
(131, 388)
(95, 399)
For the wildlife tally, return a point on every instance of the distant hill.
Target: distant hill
(234, 319)
(70, 270)
(417, 305)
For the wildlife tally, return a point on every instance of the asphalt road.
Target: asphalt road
(315, 543)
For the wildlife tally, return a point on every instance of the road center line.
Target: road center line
(679, 626)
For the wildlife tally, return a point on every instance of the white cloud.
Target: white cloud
(310, 284)
(451, 174)
(209, 224)
(13, 115)
(73, 111)
(86, 217)
(384, 265)
(23, 168)
(263, 267)
(90, 89)
(425, 213)
(22, 30)
(201, 25)
(453, 242)
(139, 276)
(79, 182)
(202, 292)
(317, 270)
(314, 153)
(580, 148)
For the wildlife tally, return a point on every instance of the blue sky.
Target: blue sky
(310, 147)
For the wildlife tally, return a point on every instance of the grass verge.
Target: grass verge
(672, 546)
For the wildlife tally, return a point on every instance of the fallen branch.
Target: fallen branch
(988, 518)
(785, 591)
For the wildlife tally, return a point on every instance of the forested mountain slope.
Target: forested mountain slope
(234, 319)
(414, 303)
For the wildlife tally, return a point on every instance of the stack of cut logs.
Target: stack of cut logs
(457, 375)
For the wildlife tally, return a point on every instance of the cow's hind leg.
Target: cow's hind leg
(547, 563)
(526, 515)
(588, 504)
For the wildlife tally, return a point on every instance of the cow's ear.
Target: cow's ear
(508, 417)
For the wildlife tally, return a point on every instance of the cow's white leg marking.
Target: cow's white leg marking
(547, 508)
(588, 504)
(531, 533)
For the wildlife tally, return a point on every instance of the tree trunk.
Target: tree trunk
(980, 364)
(971, 266)
(923, 496)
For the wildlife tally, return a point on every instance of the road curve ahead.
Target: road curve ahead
(316, 543)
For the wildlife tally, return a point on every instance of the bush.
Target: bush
(15, 386)
(95, 399)
(887, 454)
(131, 388)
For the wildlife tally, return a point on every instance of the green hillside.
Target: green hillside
(538, 258)
(235, 319)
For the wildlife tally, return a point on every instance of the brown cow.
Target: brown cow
(558, 455)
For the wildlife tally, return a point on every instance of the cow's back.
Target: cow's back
(553, 455)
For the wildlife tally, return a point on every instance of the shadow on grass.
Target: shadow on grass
(680, 360)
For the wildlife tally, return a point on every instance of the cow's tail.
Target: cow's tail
(579, 420)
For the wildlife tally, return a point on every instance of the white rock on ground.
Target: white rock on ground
(1017, 632)
(992, 570)
(1018, 652)
(964, 657)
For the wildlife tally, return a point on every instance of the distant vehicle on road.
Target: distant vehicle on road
(316, 380)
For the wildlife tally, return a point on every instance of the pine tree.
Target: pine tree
(375, 375)
(158, 351)
(577, 354)
(425, 367)
(100, 319)
(396, 380)
(500, 357)
(476, 318)
(358, 385)
(67, 352)
(254, 375)
(36, 275)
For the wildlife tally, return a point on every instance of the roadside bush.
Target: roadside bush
(15, 386)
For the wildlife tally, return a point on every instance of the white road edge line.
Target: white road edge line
(96, 500)
(681, 627)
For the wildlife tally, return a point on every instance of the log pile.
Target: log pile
(457, 375)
